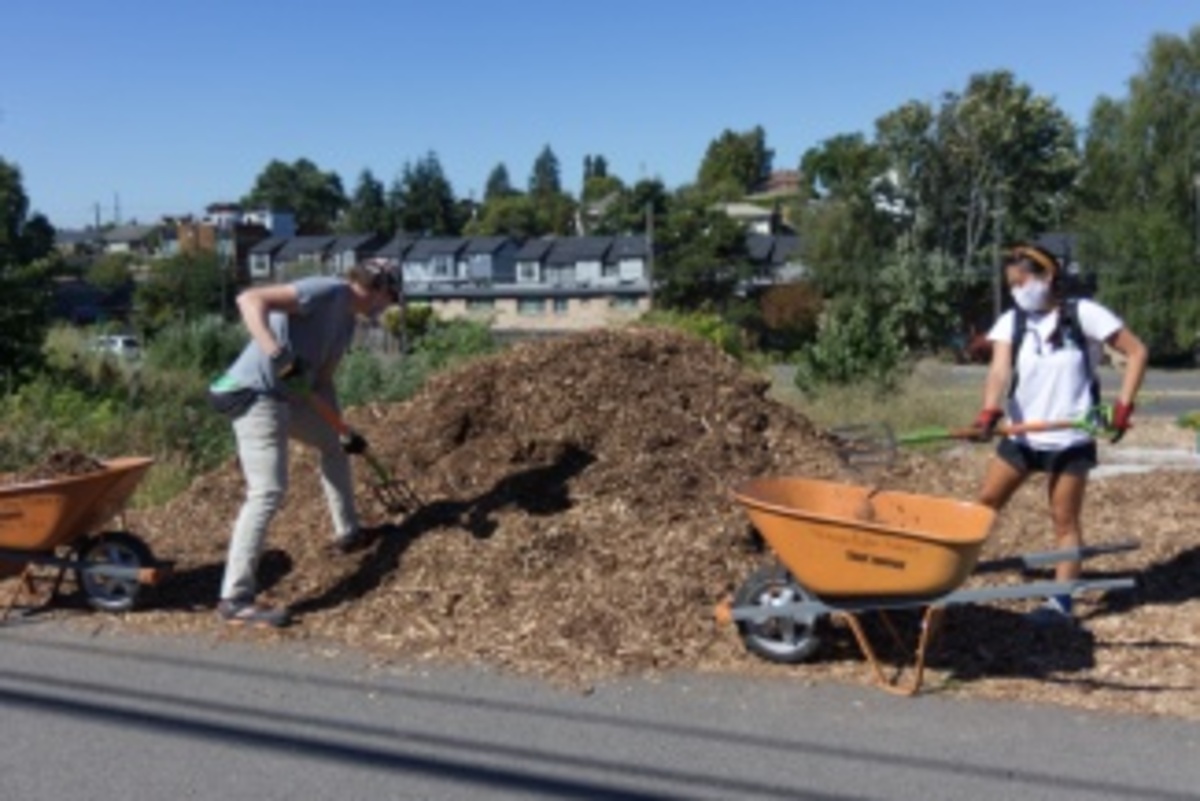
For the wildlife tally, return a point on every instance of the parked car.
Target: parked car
(123, 346)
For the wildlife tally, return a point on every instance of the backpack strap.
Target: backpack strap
(1020, 321)
(1075, 328)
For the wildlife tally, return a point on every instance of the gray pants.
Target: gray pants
(262, 439)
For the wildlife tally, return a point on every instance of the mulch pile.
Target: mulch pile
(577, 525)
(59, 464)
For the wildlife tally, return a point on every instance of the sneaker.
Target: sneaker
(354, 542)
(1055, 611)
(247, 613)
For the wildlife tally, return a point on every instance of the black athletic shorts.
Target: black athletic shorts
(1076, 460)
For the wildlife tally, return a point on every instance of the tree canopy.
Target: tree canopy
(26, 266)
(1140, 197)
(316, 198)
(735, 164)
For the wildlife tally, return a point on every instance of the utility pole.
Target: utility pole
(650, 252)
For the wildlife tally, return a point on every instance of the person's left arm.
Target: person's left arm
(1136, 356)
(1104, 326)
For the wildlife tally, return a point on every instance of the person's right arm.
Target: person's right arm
(256, 303)
(998, 376)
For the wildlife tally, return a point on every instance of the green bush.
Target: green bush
(366, 376)
(856, 341)
(205, 346)
(706, 325)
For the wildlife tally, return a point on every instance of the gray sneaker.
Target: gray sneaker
(247, 613)
(1054, 611)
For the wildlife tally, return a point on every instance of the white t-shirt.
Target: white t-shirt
(1052, 384)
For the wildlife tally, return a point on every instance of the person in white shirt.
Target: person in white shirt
(1059, 341)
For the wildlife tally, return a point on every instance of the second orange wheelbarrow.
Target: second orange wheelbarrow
(911, 552)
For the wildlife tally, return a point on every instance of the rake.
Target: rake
(397, 496)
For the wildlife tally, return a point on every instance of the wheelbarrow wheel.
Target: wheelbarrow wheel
(786, 640)
(119, 549)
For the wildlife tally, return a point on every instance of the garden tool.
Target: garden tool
(396, 496)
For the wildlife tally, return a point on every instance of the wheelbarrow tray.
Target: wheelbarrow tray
(40, 516)
(918, 546)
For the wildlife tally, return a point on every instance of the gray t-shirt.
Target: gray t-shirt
(319, 334)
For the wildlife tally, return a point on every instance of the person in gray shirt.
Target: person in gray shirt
(299, 333)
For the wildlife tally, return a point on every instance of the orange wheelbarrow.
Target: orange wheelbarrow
(55, 524)
(913, 552)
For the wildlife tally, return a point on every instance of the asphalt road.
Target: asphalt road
(1165, 393)
(113, 716)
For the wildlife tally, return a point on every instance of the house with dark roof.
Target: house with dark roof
(627, 260)
(396, 248)
(261, 259)
(303, 255)
(350, 249)
(435, 260)
(491, 259)
(142, 240)
(78, 242)
(776, 257)
(531, 260)
(577, 260)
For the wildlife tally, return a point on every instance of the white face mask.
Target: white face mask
(1032, 296)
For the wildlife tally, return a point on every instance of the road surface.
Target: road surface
(115, 716)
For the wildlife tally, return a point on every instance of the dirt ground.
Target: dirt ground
(576, 524)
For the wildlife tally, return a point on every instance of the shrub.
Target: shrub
(706, 325)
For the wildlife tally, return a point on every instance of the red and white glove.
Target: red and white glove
(986, 422)
(1119, 423)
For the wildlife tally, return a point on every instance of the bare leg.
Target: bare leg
(1066, 503)
(999, 483)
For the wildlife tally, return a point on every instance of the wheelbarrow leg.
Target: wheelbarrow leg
(930, 624)
(24, 586)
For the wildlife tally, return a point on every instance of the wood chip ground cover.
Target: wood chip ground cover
(577, 525)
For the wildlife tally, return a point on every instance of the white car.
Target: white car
(124, 346)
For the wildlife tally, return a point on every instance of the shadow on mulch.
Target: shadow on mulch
(976, 642)
(537, 491)
(1175, 581)
(198, 588)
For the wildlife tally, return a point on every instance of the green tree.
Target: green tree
(425, 199)
(545, 179)
(25, 272)
(843, 167)
(112, 271)
(498, 184)
(1140, 211)
(1006, 149)
(735, 163)
(627, 214)
(182, 289)
(315, 197)
(368, 211)
(700, 258)
(511, 215)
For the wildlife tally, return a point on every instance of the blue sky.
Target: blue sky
(171, 106)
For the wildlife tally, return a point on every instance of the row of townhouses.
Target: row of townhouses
(538, 284)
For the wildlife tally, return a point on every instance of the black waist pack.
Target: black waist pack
(232, 404)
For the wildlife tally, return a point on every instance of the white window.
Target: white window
(480, 304)
(561, 305)
(531, 307)
(527, 271)
(623, 303)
